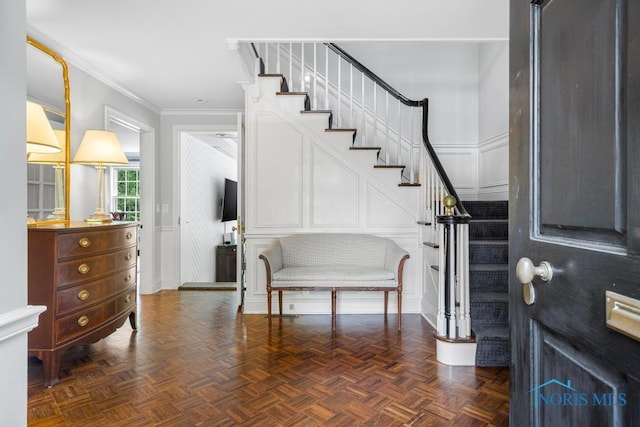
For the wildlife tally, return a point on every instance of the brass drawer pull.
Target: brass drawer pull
(128, 235)
(83, 268)
(83, 321)
(127, 278)
(83, 295)
(127, 257)
(84, 242)
(127, 299)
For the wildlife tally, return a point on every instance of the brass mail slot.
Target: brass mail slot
(623, 314)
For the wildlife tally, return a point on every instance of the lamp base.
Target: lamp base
(99, 218)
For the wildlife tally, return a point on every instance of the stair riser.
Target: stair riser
(291, 104)
(494, 312)
(493, 352)
(489, 281)
(317, 122)
(498, 209)
(489, 231)
(269, 85)
(488, 254)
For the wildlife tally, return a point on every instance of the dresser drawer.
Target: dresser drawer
(87, 294)
(85, 242)
(69, 272)
(83, 322)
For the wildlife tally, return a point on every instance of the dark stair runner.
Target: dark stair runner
(488, 276)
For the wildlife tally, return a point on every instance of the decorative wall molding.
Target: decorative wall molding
(19, 321)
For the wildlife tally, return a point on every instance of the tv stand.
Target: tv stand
(226, 256)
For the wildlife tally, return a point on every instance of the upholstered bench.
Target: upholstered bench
(332, 262)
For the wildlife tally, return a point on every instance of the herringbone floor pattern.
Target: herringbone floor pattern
(195, 361)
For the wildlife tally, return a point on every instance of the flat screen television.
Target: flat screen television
(230, 200)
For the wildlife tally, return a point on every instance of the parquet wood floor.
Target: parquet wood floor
(195, 361)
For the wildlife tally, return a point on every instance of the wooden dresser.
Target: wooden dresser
(86, 276)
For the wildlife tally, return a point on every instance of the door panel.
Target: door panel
(574, 203)
(577, 74)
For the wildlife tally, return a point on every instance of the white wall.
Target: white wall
(493, 130)
(444, 72)
(89, 97)
(203, 172)
(13, 171)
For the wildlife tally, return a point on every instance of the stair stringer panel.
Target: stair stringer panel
(320, 186)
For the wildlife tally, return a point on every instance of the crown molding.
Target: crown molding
(202, 112)
(90, 69)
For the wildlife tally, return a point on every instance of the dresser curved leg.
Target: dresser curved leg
(132, 320)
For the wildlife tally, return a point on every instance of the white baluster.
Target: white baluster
(399, 156)
(441, 323)
(386, 129)
(351, 95)
(364, 117)
(290, 76)
(278, 58)
(452, 282)
(326, 77)
(375, 114)
(315, 76)
(266, 58)
(301, 67)
(339, 117)
(463, 281)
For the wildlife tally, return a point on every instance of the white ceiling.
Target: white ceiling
(170, 53)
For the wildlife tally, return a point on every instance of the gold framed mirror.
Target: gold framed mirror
(48, 174)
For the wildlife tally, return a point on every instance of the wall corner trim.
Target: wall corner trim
(19, 321)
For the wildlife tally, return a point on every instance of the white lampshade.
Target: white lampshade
(50, 158)
(100, 147)
(40, 136)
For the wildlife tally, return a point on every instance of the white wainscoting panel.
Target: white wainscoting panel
(334, 192)
(494, 167)
(278, 173)
(383, 212)
(461, 164)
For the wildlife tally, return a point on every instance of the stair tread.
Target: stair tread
(424, 223)
(431, 244)
(435, 267)
(293, 93)
(488, 267)
(365, 148)
(490, 220)
(409, 184)
(491, 331)
(484, 296)
(316, 111)
(341, 130)
(389, 166)
(271, 75)
(489, 242)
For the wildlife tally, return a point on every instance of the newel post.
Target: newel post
(453, 317)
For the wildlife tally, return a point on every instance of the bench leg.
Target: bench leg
(399, 309)
(333, 310)
(280, 303)
(269, 305)
(386, 302)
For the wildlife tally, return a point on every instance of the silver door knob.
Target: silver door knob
(526, 271)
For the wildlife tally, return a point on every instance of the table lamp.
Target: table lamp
(40, 136)
(57, 161)
(100, 148)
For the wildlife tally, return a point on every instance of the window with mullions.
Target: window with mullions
(126, 192)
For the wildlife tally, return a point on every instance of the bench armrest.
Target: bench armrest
(272, 257)
(394, 259)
